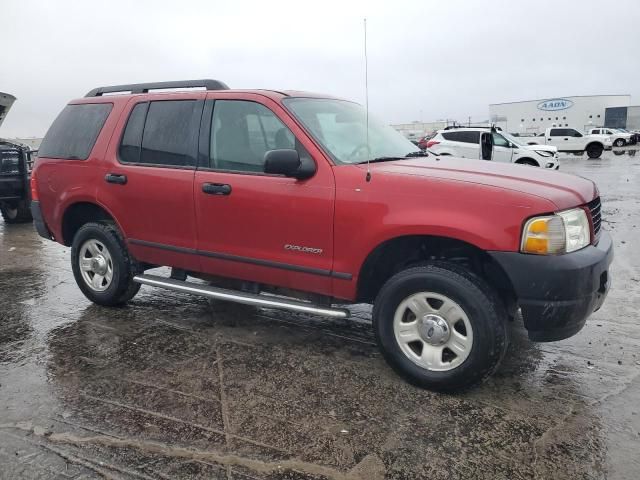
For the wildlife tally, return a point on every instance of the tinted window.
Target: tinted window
(130, 147)
(500, 141)
(73, 134)
(242, 132)
(465, 137)
(170, 133)
(559, 132)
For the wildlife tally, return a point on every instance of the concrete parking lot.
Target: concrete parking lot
(173, 387)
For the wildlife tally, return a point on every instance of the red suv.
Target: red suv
(298, 195)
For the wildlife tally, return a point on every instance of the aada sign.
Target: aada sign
(555, 104)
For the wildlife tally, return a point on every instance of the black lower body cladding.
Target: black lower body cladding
(557, 293)
(38, 221)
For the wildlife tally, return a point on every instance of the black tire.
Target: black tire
(527, 161)
(594, 150)
(16, 213)
(484, 310)
(122, 287)
(619, 142)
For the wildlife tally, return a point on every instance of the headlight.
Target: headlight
(564, 232)
(544, 153)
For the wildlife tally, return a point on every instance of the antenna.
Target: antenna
(366, 97)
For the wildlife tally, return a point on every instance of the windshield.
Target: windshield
(512, 139)
(341, 128)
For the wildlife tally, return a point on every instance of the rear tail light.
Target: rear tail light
(431, 143)
(34, 187)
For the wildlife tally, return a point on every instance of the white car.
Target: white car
(572, 141)
(618, 138)
(466, 142)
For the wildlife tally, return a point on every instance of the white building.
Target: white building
(580, 112)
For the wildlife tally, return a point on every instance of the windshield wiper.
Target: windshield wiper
(421, 153)
(380, 159)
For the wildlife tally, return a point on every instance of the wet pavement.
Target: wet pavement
(174, 387)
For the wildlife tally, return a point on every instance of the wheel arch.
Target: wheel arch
(398, 253)
(594, 143)
(527, 161)
(78, 214)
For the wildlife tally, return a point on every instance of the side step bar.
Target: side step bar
(239, 297)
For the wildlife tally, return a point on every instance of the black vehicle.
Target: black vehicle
(16, 161)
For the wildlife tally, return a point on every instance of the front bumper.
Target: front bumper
(557, 293)
(11, 187)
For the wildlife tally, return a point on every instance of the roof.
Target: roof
(186, 85)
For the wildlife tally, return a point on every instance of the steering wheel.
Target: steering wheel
(362, 146)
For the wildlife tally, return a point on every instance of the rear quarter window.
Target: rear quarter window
(73, 133)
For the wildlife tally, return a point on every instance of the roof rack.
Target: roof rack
(492, 127)
(208, 84)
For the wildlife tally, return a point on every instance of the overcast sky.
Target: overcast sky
(427, 59)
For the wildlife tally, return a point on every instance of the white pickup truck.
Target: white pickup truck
(571, 140)
(618, 137)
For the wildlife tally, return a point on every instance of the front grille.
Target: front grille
(596, 216)
(9, 162)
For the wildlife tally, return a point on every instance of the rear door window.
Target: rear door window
(464, 137)
(170, 133)
(162, 133)
(559, 132)
(74, 132)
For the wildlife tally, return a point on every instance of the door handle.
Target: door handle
(117, 178)
(216, 188)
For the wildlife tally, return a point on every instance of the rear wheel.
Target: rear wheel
(594, 150)
(16, 212)
(440, 326)
(102, 266)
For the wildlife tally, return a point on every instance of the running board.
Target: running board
(239, 297)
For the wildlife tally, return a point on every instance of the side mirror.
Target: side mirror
(287, 162)
(577, 134)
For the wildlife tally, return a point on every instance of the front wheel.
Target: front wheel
(619, 142)
(527, 161)
(440, 326)
(16, 212)
(102, 266)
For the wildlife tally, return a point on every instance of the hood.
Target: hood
(562, 189)
(6, 101)
(545, 148)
